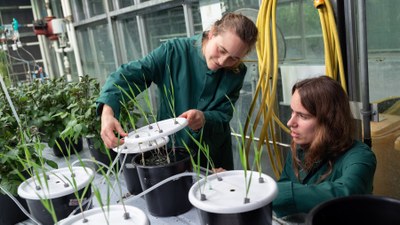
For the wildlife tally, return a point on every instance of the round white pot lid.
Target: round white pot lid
(131, 148)
(156, 130)
(226, 195)
(113, 213)
(59, 182)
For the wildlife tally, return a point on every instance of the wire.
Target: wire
(332, 49)
(20, 206)
(267, 52)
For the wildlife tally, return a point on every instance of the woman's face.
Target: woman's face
(301, 123)
(223, 50)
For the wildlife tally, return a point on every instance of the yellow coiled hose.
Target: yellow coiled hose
(332, 50)
(267, 52)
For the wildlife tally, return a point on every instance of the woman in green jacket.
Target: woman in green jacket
(205, 72)
(326, 161)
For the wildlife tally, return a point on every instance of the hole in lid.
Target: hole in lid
(232, 190)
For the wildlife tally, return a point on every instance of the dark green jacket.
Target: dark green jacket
(180, 62)
(353, 173)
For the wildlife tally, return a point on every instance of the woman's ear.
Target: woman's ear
(210, 33)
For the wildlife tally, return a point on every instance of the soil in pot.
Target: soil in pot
(65, 146)
(171, 198)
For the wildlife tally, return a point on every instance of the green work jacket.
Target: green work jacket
(352, 174)
(179, 70)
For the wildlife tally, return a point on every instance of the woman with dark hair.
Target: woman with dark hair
(325, 161)
(204, 73)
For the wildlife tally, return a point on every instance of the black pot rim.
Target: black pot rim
(368, 199)
(139, 155)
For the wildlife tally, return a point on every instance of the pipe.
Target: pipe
(363, 55)
(59, 60)
(166, 180)
(42, 43)
(48, 9)
(20, 206)
(55, 43)
(3, 85)
(72, 35)
(351, 42)
(187, 10)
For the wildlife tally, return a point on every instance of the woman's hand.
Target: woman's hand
(195, 119)
(108, 125)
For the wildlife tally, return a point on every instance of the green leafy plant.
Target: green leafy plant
(3, 68)
(14, 146)
(83, 121)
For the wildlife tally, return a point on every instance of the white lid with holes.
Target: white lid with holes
(156, 130)
(225, 192)
(114, 214)
(59, 182)
(132, 148)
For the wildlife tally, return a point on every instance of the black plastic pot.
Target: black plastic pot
(356, 210)
(130, 174)
(260, 216)
(66, 146)
(100, 156)
(10, 213)
(170, 199)
(221, 198)
(63, 207)
(61, 187)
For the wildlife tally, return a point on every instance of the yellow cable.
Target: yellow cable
(267, 52)
(337, 45)
(332, 49)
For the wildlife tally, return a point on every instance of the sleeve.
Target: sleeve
(131, 79)
(229, 93)
(355, 176)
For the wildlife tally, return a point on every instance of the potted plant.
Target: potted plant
(159, 163)
(44, 106)
(84, 121)
(107, 213)
(114, 214)
(11, 151)
(236, 197)
(54, 195)
(154, 161)
(10, 213)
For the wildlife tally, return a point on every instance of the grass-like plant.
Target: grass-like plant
(242, 144)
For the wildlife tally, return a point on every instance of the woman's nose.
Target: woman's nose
(291, 121)
(222, 60)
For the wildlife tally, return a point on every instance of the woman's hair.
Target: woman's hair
(326, 100)
(241, 25)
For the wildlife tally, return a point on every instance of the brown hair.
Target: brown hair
(241, 25)
(325, 99)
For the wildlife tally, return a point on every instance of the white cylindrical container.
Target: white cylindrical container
(221, 198)
(61, 187)
(58, 26)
